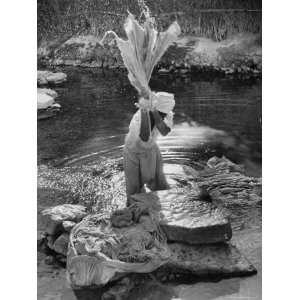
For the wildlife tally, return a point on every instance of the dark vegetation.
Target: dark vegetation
(58, 20)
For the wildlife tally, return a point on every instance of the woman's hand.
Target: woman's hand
(145, 126)
(144, 94)
(143, 104)
(159, 123)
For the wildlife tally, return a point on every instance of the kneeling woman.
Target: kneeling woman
(142, 158)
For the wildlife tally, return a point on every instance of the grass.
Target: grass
(58, 20)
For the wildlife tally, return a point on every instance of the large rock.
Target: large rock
(48, 92)
(54, 217)
(219, 260)
(47, 77)
(185, 218)
(44, 100)
(227, 182)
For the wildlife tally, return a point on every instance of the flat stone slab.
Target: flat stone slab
(185, 218)
(54, 217)
(219, 260)
(45, 77)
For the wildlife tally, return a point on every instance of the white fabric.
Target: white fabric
(133, 140)
(163, 102)
(143, 49)
(144, 168)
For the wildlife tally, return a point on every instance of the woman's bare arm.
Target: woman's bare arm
(145, 125)
(159, 123)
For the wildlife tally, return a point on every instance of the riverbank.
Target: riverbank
(240, 54)
(220, 36)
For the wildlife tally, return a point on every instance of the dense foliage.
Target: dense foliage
(217, 19)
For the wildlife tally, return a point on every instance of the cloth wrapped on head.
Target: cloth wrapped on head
(163, 101)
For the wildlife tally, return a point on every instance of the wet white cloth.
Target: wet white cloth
(143, 49)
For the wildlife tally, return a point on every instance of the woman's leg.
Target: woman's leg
(132, 172)
(159, 181)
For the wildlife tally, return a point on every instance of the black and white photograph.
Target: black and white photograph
(149, 149)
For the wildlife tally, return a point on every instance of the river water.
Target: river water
(213, 116)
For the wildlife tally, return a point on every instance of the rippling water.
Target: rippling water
(213, 116)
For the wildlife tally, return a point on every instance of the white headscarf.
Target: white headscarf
(163, 102)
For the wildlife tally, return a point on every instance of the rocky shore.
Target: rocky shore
(240, 54)
(212, 256)
(46, 105)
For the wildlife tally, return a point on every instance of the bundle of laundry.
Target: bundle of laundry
(141, 52)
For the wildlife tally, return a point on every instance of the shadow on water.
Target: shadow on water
(213, 116)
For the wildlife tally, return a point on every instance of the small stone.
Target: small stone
(41, 241)
(163, 70)
(49, 260)
(68, 225)
(61, 244)
(55, 105)
(183, 71)
(50, 241)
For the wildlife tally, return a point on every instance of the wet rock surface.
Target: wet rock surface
(52, 78)
(46, 105)
(224, 180)
(54, 217)
(45, 98)
(223, 260)
(184, 217)
(68, 225)
(61, 244)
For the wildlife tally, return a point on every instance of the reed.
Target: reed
(216, 19)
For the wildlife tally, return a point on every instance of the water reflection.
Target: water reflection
(215, 116)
